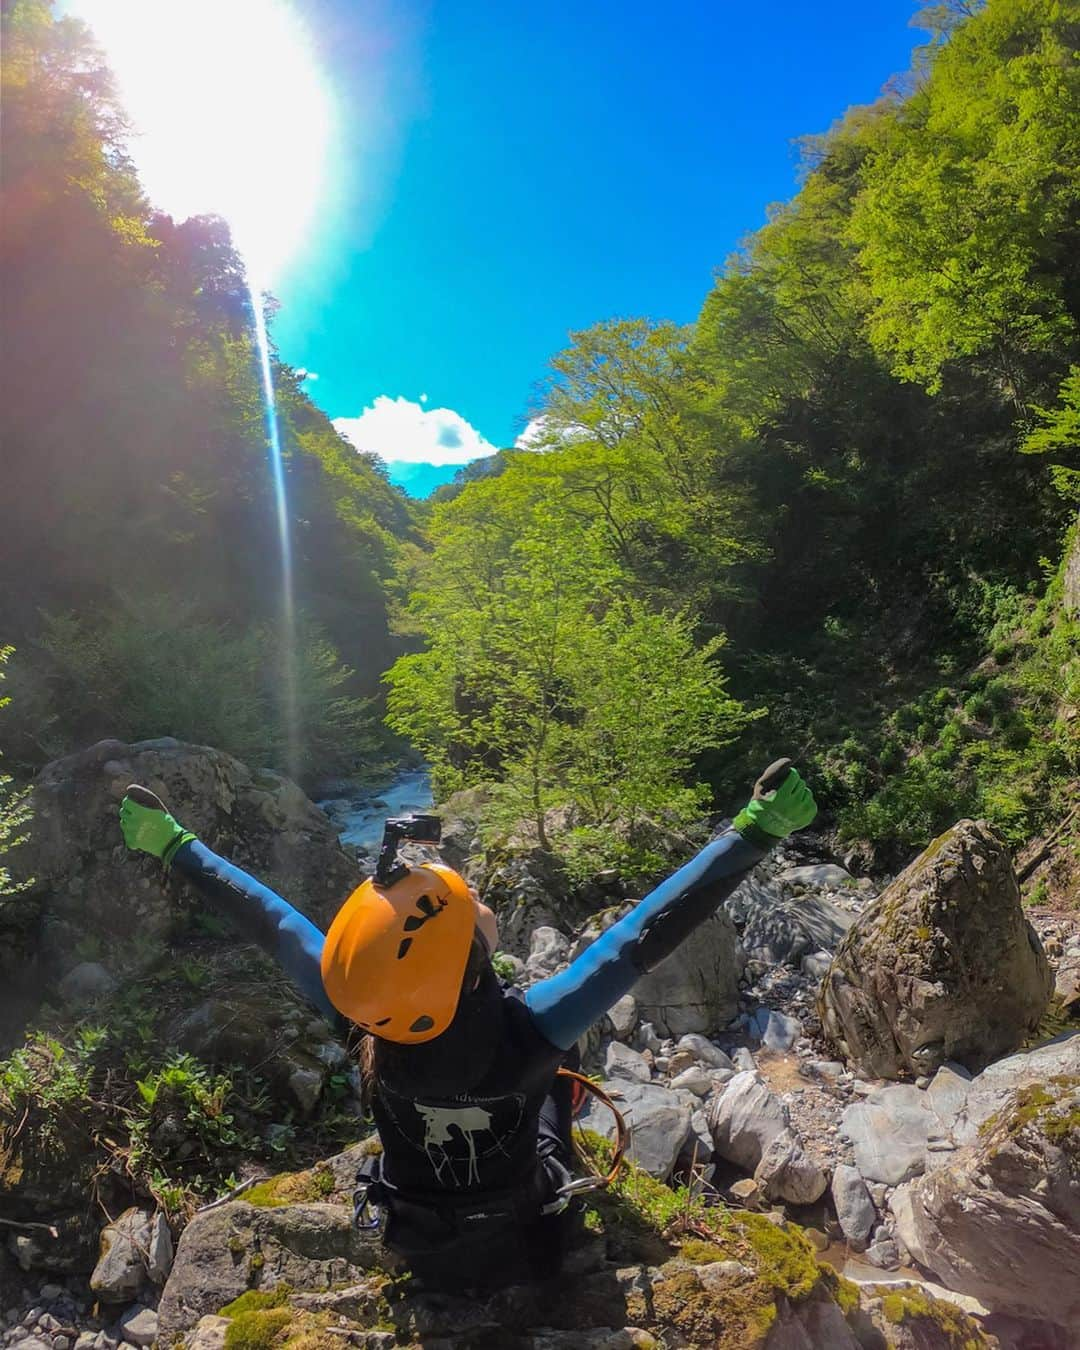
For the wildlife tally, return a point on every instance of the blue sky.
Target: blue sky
(540, 166)
(504, 173)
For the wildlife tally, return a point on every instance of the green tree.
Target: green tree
(14, 812)
(544, 676)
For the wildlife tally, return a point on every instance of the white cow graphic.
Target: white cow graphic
(469, 1121)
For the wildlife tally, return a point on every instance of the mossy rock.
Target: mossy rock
(293, 1188)
(947, 1325)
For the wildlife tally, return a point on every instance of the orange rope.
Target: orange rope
(622, 1135)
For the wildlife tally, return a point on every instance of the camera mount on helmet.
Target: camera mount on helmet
(417, 829)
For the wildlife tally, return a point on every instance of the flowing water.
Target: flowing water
(358, 816)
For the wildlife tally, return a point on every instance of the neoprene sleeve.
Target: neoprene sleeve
(262, 916)
(566, 1005)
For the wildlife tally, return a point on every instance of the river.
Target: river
(358, 816)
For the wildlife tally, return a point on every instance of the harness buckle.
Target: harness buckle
(366, 1212)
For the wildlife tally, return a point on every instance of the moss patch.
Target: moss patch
(257, 1300)
(293, 1188)
(256, 1330)
(905, 1306)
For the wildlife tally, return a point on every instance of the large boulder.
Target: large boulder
(943, 965)
(86, 883)
(696, 988)
(1001, 1220)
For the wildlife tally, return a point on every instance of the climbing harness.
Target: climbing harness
(374, 1194)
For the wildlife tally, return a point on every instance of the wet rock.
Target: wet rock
(944, 965)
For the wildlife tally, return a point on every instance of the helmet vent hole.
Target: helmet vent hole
(406, 943)
(384, 1021)
(428, 910)
(423, 1023)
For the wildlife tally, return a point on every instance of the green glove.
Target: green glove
(148, 828)
(780, 805)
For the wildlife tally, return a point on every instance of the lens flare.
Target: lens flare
(229, 114)
(227, 107)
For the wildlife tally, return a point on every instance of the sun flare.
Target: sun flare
(227, 106)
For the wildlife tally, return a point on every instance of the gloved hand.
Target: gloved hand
(148, 828)
(781, 804)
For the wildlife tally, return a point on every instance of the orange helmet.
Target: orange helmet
(395, 956)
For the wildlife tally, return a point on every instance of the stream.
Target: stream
(358, 816)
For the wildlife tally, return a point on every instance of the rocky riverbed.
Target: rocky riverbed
(749, 1067)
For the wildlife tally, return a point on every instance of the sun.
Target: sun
(229, 111)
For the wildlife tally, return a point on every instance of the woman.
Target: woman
(473, 1123)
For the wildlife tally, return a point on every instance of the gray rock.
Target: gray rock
(84, 983)
(35, 1343)
(623, 1017)
(889, 1131)
(704, 1051)
(139, 1326)
(854, 1207)
(745, 1117)
(697, 987)
(623, 1062)
(884, 1254)
(647, 1039)
(777, 1030)
(744, 1061)
(696, 1080)
(305, 1086)
(787, 1172)
(659, 1123)
(816, 964)
(947, 1093)
(209, 1333)
(306, 1246)
(943, 966)
(121, 1267)
(160, 1254)
(826, 1070)
(817, 874)
(548, 950)
(257, 818)
(51, 1292)
(779, 931)
(85, 1340)
(1009, 1200)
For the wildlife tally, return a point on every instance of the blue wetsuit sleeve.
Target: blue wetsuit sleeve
(566, 1005)
(263, 917)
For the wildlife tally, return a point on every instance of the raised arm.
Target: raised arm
(260, 914)
(567, 1004)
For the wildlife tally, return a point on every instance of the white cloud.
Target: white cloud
(304, 374)
(400, 431)
(541, 434)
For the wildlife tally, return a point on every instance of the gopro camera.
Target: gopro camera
(417, 829)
